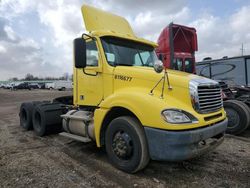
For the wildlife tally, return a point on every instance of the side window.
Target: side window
(91, 54)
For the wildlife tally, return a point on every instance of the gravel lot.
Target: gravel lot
(54, 161)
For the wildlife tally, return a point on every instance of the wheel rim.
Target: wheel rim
(37, 121)
(122, 145)
(233, 118)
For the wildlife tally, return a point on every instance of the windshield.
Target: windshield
(128, 53)
(188, 65)
(178, 64)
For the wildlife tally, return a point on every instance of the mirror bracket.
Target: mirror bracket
(87, 37)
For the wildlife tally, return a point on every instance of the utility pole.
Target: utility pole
(242, 49)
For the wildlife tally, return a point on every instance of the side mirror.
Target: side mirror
(158, 66)
(80, 53)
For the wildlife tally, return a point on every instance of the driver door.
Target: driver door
(89, 80)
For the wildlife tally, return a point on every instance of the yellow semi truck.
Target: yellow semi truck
(124, 100)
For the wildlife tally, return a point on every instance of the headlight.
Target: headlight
(176, 116)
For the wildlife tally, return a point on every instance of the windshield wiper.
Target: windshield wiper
(140, 56)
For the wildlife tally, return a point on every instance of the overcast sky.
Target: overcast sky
(36, 35)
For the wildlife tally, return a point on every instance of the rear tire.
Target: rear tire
(26, 112)
(238, 114)
(126, 144)
(47, 118)
(39, 122)
(25, 115)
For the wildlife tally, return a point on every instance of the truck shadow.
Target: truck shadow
(246, 133)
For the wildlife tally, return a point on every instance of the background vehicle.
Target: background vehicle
(124, 102)
(41, 85)
(9, 85)
(6, 86)
(235, 71)
(33, 86)
(178, 43)
(25, 85)
(13, 84)
(59, 85)
(50, 85)
(63, 85)
(20, 86)
(177, 47)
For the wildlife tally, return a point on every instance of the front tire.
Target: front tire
(126, 144)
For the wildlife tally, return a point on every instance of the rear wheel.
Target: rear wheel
(126, 144)
(238, 116)
(25, 115)
(38, 123)
(47, 118)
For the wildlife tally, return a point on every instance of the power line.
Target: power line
(242, 49)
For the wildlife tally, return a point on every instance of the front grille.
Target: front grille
(209, 97)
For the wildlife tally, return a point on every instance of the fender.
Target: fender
(136, 100)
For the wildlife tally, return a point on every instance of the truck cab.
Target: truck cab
(118, 79)
(125, 102)
(177, 45)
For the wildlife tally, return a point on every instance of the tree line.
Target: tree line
(29, 77)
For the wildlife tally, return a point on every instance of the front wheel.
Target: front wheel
(126, 144)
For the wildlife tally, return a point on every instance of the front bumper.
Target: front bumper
(183, 145)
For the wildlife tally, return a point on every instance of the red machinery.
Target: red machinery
(177, 46)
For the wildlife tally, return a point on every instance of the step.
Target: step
(75, 137)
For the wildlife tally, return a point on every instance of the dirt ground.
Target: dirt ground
(54, 161)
